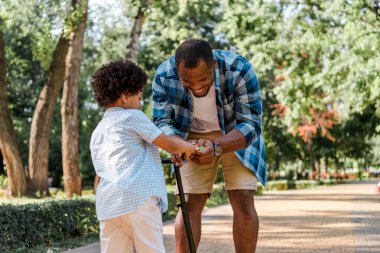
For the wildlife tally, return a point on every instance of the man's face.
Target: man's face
(199, 79)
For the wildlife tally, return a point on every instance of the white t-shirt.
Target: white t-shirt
(205, 115)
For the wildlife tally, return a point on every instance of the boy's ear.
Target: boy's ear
(124, 98)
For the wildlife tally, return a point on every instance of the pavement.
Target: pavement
(336, 219)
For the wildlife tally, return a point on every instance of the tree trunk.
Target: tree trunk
(317, 168)
(135, 34)
(17, 184)
(42, 118)
(2, 171)
(69, 110)
(311, 159)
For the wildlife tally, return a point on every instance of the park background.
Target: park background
(317, 62)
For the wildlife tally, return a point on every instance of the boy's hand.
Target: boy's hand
(177, 159)
(205, 152)
(191, 148)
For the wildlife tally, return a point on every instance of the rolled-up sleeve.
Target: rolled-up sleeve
(162, 110)
(248, 104)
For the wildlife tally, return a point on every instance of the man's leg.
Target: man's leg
(195, 203)
(241, 183)
(245, 220)
(197, 181)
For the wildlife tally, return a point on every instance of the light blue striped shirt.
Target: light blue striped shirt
(127, 163)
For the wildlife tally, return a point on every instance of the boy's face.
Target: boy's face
(199, 79)
(133, 102)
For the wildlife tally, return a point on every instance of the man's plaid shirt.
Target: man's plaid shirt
(238, 100)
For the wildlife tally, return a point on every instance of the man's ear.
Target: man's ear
(214, 64)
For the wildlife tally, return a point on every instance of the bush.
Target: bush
(279, 185)
(29, 225)
(282, 185)
(332, 181)
(260, 189)
(3, 182)
(306, 184)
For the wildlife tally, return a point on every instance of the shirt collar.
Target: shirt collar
(112, 110)
(216, 74)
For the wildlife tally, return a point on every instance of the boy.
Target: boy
(131, 194)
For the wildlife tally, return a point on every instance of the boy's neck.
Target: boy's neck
(117, 103)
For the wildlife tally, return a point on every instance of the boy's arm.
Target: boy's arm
(146, 130)
(174, 144)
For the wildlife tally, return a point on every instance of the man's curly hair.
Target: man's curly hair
(115, 78)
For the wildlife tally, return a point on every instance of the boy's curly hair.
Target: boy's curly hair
(115, 78)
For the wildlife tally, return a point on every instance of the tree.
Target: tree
(42, 116)
(319, 57)
(2, 171)
(136, 31)
(69, 107)
(17, 184)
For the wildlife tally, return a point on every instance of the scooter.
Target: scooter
(183, 205)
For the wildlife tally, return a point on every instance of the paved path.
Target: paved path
(337, 219)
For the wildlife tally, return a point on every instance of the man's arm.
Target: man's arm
(230, 142)
(248, 113)
(162, 110)
(248, 104)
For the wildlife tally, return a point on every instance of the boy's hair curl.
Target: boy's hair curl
(115, 78)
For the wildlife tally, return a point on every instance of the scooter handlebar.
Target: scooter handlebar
(166, 161)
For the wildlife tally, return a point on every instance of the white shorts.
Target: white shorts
(140, 229)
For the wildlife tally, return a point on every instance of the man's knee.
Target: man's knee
(196, 202)
(242, 203)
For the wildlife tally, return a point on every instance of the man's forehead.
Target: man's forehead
(202, 69)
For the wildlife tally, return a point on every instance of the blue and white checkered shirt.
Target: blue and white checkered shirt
(128, 165)
(238, 100)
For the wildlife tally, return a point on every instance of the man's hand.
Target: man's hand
(206, 155)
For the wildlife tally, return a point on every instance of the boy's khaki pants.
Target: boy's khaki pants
(141, 229)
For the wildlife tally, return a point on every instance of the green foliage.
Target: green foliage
(282, 185)
(169, 23)
(307, 54)
(327, 182)
(29, 225)
(3, 182)
(41, 21)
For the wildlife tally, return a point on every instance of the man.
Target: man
(213, 97)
